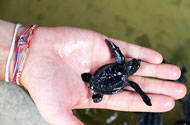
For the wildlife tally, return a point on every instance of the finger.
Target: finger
(101, 52)
(135, 51)
(130, 101)
(155, 86)
(164, 71)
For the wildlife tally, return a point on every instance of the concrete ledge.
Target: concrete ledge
(17, 107)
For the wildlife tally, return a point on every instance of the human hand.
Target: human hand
(58, 56)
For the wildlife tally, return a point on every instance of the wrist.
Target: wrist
(6, 35)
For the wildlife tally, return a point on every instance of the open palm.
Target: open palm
(58, 56)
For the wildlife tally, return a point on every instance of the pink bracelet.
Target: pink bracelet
(21, 51)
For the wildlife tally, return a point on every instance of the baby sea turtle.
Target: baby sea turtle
(150, 118)
(183, 122)
(112, 78)
(186, 107)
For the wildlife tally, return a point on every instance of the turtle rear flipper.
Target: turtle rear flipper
(145, 98)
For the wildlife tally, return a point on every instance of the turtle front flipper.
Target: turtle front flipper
(97, 97)
(86, 77)
(145, 98)
(116, 53)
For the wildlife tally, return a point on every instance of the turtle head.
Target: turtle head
(132, 66)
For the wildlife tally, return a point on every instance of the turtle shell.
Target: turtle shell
(108, 79)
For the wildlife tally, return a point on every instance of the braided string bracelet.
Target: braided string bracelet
(11, 52)
(21, 51)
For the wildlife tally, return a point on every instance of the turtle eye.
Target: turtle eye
(133, 67)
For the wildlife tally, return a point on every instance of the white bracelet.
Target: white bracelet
(11, 53)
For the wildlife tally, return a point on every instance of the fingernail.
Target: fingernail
(182, 91)
(177, 72)
(169, 105)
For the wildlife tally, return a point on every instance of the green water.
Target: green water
(160, 25)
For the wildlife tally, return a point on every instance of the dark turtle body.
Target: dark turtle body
(185, 110)
(186, 107)
(150, 118)
(112, 78)
(183, 122)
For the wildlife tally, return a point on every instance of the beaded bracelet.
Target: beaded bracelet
(21, 51)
